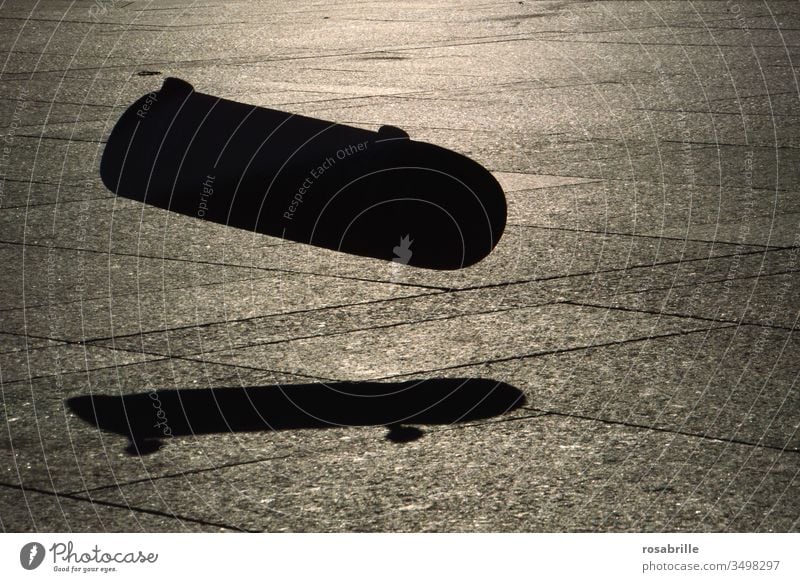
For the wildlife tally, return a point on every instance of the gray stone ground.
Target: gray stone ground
(644, 296)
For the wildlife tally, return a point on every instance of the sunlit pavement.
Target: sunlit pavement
(643, 296)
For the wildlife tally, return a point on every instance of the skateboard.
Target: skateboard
(363, 192)
(149, 418)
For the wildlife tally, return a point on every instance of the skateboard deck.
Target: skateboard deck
(376, 194)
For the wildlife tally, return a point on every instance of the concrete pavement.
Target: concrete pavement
(644, 296)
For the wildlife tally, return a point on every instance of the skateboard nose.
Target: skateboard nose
(415, 203)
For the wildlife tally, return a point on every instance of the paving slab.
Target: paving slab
(687, 279)
(44, 275)
(16, 343)
(743, 216)
(521, 255)
(532, 474)
(736, 384)
(199, 304)
(47, 447)
(766, 300)
(470, 339)
(643, 297)
(53, 360)
(33, 511)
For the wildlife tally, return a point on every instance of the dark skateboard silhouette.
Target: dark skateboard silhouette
(303, 179)
(148, 418)
(371, 193)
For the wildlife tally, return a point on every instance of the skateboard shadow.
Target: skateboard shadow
(148, 418)
(308, 180)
